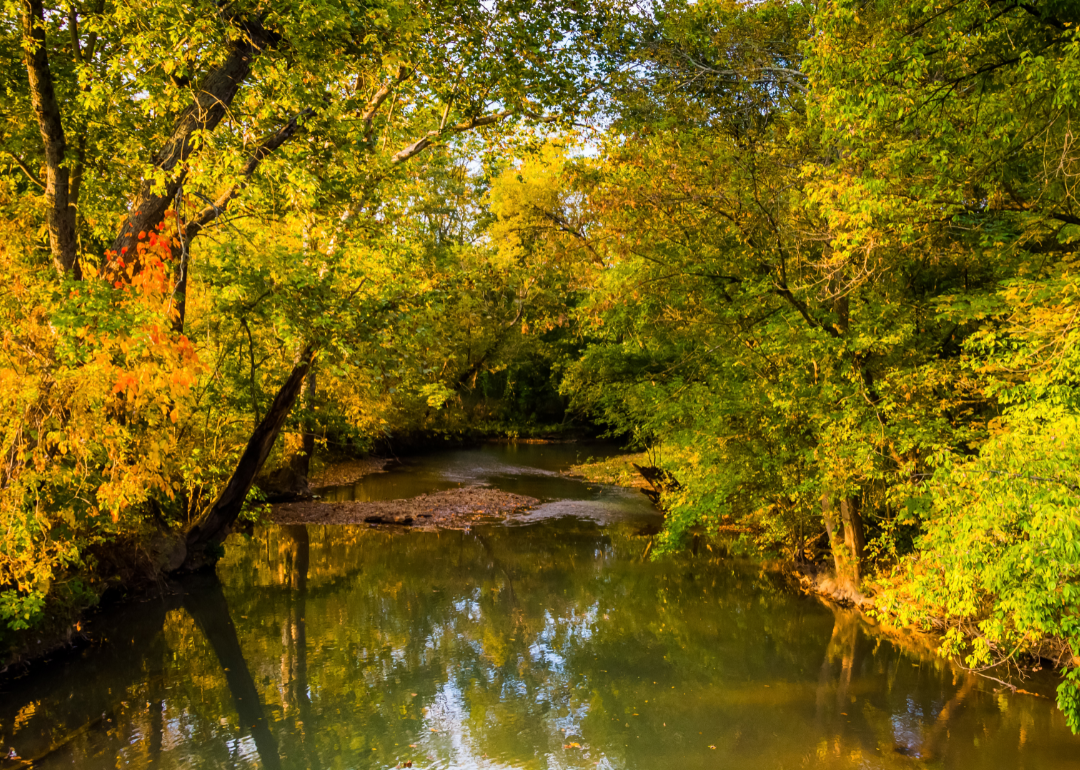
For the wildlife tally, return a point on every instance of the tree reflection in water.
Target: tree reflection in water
(548, 646)
(294, 656)
(205, 602)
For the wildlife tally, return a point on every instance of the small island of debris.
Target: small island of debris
(458, 508)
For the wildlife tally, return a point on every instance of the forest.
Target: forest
(816, 258)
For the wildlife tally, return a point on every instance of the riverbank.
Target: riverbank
(348, 471)
(619, 470)
(1034, 670)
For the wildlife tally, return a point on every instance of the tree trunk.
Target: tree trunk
(845, 538)
(301, 461)
(853, 530)
(59, 215)
(180, 276)
(212, 530)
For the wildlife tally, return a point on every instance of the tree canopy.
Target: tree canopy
(817, 258)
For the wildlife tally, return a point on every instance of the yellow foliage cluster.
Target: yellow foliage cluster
(93, 389)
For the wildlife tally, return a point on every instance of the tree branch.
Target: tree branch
(212, 211)
(81, 55)
(25, 169)
(213, 99)
(377, 100)
(1069, 219)
(466, 125)
(565, 226)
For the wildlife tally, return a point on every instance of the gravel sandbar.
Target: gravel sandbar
(450, 509)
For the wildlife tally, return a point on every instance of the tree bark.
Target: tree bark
(853, 531)
(212, 101)
(215, 526)
(845, 538)
(59, 215)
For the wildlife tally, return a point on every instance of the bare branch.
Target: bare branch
(467, 125)
(786, 74)
(377, 100)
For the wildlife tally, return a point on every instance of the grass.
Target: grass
(616, 470)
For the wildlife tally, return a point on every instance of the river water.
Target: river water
(548, 642)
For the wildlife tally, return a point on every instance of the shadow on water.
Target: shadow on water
(296, 641)
(550, 644)
(42, 713)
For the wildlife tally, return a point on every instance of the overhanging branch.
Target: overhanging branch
(214, 210)
(213, 98)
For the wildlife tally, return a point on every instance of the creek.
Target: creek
(548, 641)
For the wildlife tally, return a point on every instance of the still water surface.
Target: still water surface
(547, 643)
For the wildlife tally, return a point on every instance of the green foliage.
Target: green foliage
(20, 611)
(999, 557)
(839, 264)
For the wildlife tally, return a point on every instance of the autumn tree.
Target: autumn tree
(156, 145)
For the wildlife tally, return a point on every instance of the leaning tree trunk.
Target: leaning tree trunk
(207, 534)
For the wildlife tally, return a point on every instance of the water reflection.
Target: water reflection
(205, 603)
(549, 645)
